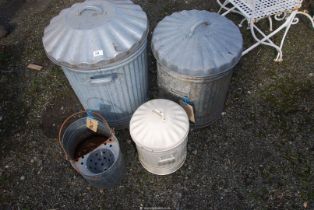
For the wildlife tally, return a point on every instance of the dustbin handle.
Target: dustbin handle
(196, 25)
(97, 9)
(65, 122)
(166, 160)
(102, 79)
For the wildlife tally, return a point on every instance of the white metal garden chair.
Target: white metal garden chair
(255, 10)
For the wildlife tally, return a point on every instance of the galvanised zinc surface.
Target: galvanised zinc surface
(165, 162)
(197, 43)
(95, 33)
(160, 130)
(101, 47)
(115, 92)
(74, 135)
(196, 52)
(208, 96)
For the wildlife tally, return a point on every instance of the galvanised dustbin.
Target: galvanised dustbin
(160, 129)
(101, 47)
(196, 52)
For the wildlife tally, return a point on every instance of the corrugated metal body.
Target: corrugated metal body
(101, 47)
(207, 96)
(163, 163)
(115, 92)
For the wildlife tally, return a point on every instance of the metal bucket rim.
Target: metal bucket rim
(62, 130)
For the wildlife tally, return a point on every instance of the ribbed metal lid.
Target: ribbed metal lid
(197, 43)
(159, 125)
(95, 33)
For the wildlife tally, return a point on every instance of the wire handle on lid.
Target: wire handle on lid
(196, 25)
(97, 9)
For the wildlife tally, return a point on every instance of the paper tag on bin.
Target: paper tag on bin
(92, 124)
(189, 109)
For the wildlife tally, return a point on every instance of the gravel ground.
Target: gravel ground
(258, 156)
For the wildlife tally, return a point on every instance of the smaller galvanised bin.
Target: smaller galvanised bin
(160, 130)
(196, 52)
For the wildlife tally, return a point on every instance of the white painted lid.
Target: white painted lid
(159, 125)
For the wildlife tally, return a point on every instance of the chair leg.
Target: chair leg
(290, 21)
(222, 5)
(270, 23)
(241, 23)
(232, 9)
(308, 16)
(266, 40)
(293, 20)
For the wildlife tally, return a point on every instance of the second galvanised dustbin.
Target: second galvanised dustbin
(196, 52)
(101, 47)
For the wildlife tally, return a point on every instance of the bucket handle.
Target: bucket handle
(110, 138)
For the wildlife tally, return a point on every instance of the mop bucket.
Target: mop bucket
(93, 154)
